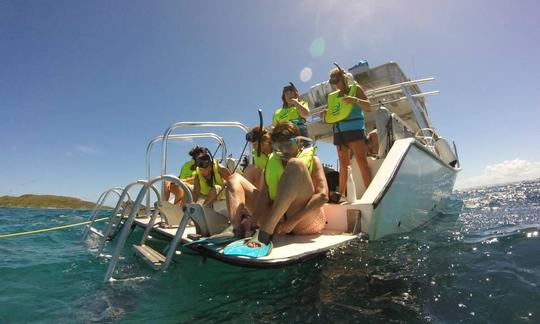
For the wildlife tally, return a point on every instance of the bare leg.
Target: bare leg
(344, 159)
(253, 175)
(176, 191)
(241, 195)
(360, 150)
(294, 191)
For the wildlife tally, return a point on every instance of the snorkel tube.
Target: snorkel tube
(260, 132)
(339, 68)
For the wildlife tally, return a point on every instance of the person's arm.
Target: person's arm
(319, 198)
(302, 109)
(360, 100)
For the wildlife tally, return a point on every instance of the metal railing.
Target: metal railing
(99, 204)
(159, 138)
(126, 230)
(174, 126)
(112, 223)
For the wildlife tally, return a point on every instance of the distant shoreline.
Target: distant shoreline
(44, 202)
(70, 208)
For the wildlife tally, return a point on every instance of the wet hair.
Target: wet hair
(289, 87)
(284, 131)
(265, 135)
(196, 151)
(338, 72)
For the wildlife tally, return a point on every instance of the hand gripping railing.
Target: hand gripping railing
(99, 204)
(129, 221)
(112, 223)
(156, 139)
(174, 126)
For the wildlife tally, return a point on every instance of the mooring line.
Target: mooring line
(50, 229)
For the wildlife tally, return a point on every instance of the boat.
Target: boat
(414, 172)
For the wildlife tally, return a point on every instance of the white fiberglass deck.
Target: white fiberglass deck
(287, 248)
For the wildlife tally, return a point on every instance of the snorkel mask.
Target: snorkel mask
(286, 149)
(204, 160)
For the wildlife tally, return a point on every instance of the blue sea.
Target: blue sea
(477, 262)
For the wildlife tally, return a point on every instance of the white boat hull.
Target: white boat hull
(406, 190)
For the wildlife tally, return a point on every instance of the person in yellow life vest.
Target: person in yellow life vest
(207, 179)
(261, 149)
(293, 109)
(345, 110)
(291, 198)
(210, 179)
(187, 174)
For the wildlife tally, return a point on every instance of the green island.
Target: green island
(44, 201)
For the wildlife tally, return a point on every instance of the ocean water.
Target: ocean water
(475, 264)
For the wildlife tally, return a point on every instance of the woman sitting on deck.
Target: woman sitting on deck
(291, 198)
(262, 148)
(210, 177)
(188, 172)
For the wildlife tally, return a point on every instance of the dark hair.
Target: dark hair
(197, 150)
(255, 134)
(284, 131)
(289, 87)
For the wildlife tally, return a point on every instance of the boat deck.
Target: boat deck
(287, 249)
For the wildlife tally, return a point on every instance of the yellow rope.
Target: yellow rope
(50, 229)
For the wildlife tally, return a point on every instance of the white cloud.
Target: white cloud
(87, 149)
(506, 171)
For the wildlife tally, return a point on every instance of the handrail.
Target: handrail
(190, 124)
(99, 204)
(111, 223)
(319, 109)
(397, 86)
(421, 117)
(418, 95)
(156, 139)
(129, 221)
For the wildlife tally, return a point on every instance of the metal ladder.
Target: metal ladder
(156, 259)
(89, 228)
(115, 220)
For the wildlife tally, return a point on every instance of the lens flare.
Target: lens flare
(317, 47)
(306, 74)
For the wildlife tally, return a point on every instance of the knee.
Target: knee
(296, 164)
(233, 181)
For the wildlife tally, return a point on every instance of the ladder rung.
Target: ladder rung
(95, 231)
(151, 256)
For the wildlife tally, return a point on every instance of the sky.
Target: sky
(85, 85)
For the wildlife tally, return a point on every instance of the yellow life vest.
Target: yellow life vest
(274, 169)
(259, 161)
(336, 109)
(186, 171)
(284, 114)
(217, 180)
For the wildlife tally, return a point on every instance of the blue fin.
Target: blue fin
(240, 248)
